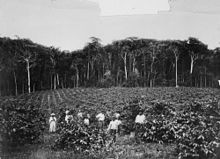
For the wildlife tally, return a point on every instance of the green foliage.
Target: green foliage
(184, 117)
(21, 122)
(132, 81)
(129, 114)
(148, 63)
(81, 138)
(106, 82)
(194, 131)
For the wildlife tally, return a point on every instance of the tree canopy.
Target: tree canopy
(26, 66)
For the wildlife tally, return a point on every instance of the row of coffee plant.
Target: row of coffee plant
(22, 122)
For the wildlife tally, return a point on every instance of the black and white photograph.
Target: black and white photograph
(109, 79)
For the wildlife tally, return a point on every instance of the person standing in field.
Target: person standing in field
(113, 128)
(80, 114)
(68, 117)
(52, 122)
(101, 118)
(86, 120)
(139, 120)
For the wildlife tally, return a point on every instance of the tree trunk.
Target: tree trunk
(62, 86)
(200, 80)
(154, 78)
(151, 72)
(151, 82)
(176, 64)
(33, 89)
(77, 77)
(134, 63)
(129, 65)
(23, 89)
(191, 64)
(55, 83)
(16, 85)
(58, 80)
(205, 79)
(110, 61)
(103, 70)
(125, 66)
(51, 81)
(29, 78)
(191, 70)
(117, 77)
(144, 71)
(88, 71)
(65, 82)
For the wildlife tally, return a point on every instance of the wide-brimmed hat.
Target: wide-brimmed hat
(52, 114)
(67, 111)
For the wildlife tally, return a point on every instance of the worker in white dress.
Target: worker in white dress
(52, 122)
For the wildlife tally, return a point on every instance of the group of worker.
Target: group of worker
(113, 124)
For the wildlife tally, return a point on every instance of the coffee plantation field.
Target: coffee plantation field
(181, 123)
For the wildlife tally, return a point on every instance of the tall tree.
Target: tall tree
(196, 49)
(175, 47)
(27, 54)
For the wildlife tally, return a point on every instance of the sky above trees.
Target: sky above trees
(68, 24)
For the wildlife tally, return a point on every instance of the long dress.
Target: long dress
(52, 122)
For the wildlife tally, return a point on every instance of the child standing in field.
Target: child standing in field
(52, 122)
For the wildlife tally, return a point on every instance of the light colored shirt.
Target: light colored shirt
(52, 119)
(100, 117)
(114, 124)
(219, 82)
(86, 121)
(80, 114)
(140, 119)
(68, 118)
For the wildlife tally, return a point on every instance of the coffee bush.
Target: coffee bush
(22, 122)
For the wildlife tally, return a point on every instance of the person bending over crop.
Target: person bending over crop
(113, 127)
(52, 122)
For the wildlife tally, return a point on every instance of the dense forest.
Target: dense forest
(27, 67)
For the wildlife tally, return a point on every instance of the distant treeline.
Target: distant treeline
(26, 66)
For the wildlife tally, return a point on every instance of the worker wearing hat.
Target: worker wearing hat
(52, 122)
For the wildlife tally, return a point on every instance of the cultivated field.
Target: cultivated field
(174, 100)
